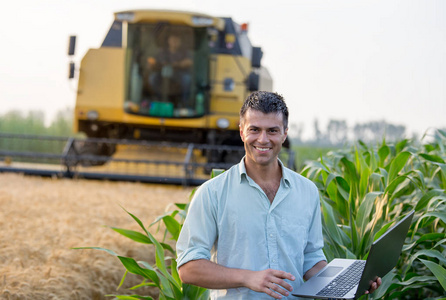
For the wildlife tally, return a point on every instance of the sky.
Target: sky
(350, 60)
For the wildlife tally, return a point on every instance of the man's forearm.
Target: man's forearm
(315, 269)
(210, 275)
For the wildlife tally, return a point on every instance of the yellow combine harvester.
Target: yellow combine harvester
(158, 102)
(168, 76)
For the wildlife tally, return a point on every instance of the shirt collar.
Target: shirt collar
(244, 175)
(242, 170)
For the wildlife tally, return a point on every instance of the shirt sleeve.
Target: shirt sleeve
(199, 231)
(313, 252)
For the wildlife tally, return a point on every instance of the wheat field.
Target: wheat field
(41, 219)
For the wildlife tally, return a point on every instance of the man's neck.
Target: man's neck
(266, 176)
(264, 173)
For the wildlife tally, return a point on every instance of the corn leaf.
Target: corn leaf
(97, 248)
(437, 270)
(398, 164)
(383, 153)
(142, 284)
(350, 172)
(390, 189)
(365, 210)
(132, 266)
(387, 280)
(330, 223)
(174, 271)
(432, 158)
(381, 231)
(160, 263)
(159, 253)
(343, 187)
(426, 198)
(193, 292)
(181, 206)
(216, 172)
(133, 235)
(435, 214)
(429, 253)
(140, 238)
(122, 279)
(169, 290)
(364, 173)
(401, 145)
(173, 226)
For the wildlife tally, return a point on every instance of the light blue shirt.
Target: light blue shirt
(232, 222)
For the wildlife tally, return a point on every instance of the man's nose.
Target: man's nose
(263, 137)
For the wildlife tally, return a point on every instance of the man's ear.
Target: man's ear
(241, 132)
(285, 135)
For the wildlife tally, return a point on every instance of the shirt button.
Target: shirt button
(274, 261)
(271, 235)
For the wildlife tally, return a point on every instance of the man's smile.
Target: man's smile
(263, 149)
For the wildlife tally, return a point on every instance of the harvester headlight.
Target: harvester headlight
(131, 107)
(228, 84)
(223, 123)
(92, 115)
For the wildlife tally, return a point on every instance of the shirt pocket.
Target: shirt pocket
(295, 237)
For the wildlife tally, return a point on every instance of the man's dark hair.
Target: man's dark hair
(266, 102)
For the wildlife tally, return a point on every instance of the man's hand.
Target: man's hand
(374, 286)
(271, 282)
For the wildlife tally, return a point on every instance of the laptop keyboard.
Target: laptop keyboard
(343, 283)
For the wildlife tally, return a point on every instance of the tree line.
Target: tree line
(338, 133)
(33, 122)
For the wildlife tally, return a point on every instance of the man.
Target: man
(254, 232)
(173, 63)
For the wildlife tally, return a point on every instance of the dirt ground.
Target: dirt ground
(41, 219)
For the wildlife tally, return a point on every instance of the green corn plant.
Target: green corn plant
(163, 275)
(366, 189)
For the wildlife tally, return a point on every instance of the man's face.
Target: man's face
(174, 42)
(263, 135)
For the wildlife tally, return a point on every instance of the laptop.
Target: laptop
(350, 278)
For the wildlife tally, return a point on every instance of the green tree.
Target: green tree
(62, 125)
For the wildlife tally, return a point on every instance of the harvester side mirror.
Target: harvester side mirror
(256, 57)
(253, 82)
(71, 51)
(72, 45)
(71, 70)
